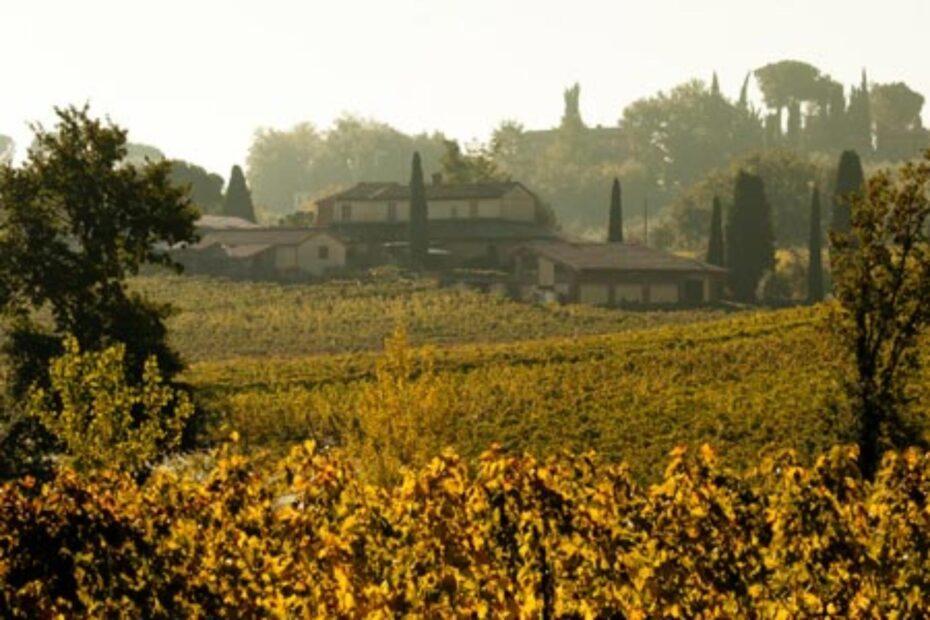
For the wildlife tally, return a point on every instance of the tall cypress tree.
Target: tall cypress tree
(859, 117)
(715, 86)
(815, 247)
(418, 234)
(615, 223)
(849, 180)
(750, 242)
(238, 199)
(715, 251)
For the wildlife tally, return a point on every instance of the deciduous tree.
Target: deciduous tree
(881, 277)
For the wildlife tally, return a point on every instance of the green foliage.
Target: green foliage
(77, 220)
(205, 188)
(787, 176)
(306, 160)
(899, 131)
(859, 119)
(476, 166)
(615, 221)
(238, 199)
(514, 536)
(849, 181)
(815, 252)
(418, 234)
(716, 254)
(750, 242)
(7, 149)
(102, 418)
(881, 275)
(219, 319)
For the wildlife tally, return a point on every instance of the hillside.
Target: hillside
(743, 384)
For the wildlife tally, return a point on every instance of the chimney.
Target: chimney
(437, 178)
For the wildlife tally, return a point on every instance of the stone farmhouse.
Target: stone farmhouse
(614, 274)
(478, 225)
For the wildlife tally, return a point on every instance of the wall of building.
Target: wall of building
(594, 294)
(285, 258)
(518, 205)
(309, 256)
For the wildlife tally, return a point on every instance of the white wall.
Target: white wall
(546, 272)
(632, 292)
(308, 254)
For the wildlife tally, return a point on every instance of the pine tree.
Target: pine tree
(715, 251)
(238, 199)
(418, 234)
(615, 223)
(815, 246)
(750, 242)
(849, 179)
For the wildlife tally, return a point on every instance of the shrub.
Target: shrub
(101, 419)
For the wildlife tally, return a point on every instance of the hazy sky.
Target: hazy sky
(197, 77)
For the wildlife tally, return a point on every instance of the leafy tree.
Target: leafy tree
(76, 222)
(715, 247)
(881, 276)
(899, 131)
(750, 243)
(418, 233)
(787, 176)
(139, 154)
(7, 149)
(205, 188)
(476, 166)
(849, 181)
(238, 199)
(815, 250)
(615, 223)
(786, 81)
(280, 165)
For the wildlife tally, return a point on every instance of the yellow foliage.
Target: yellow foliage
(570, 536)
(101, 419)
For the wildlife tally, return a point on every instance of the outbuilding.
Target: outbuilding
(615, 274)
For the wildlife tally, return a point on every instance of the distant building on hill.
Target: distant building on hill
(206, 223)
(478, 224)
(264, 253)
(614, 274)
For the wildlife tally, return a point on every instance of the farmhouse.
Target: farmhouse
(613, 274)
(265, 253)
(479, 224)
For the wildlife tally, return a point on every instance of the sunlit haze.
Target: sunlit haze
(197, 78)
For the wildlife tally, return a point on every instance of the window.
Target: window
(473, 208)
(322, 252)
(392, 212)
(346, 212)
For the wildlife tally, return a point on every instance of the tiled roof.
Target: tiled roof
(446, 230)
(396, 191)
(617, 256)
(257, 236)
(223, 222)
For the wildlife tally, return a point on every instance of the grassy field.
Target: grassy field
(219, 319)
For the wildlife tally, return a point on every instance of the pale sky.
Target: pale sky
(197, 77)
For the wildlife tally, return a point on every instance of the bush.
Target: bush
(571, 536)
(101, 419)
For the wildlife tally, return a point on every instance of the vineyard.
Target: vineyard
(744, 384)
(219, 319)
(569, 537)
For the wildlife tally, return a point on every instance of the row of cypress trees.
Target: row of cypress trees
(747, 246)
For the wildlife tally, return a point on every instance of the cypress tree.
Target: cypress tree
(859, 117)
(815, 246)
(615, 223)
(418, 235)
(238, 199)
(715, 86)
(744, 93)
(849, 180)
(750, 242)
(715, 251)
